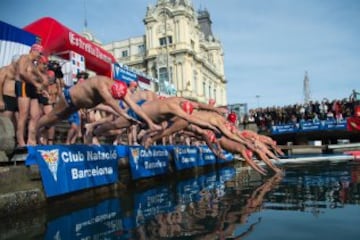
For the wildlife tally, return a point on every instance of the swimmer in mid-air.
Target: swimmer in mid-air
(97, 90)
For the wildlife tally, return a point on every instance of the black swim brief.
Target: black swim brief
(11, 103)
(24, 89)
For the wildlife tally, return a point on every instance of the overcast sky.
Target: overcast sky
(268, 44)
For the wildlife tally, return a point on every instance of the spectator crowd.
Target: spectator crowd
(314, 111)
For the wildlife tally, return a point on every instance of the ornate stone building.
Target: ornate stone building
(179, 50)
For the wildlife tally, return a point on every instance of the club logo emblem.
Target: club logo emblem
(51, 158)
(135, 152)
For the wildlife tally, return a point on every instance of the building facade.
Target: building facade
(179, 50)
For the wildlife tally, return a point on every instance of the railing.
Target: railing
(308, 126)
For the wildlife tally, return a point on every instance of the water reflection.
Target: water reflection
(98, 222)
(319, 187)
(224, 204)
(209, 206)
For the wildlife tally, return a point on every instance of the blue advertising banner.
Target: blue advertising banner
(308, 126)
(102, 221)
(208, 181)
(334, 125)
(206, 156)
(323, 179)
(66, 168)
(122, 151)
(284, 128)
(123, 74)
(188, 191)
(153, 202)
(148, 162)
(185, 157)
(226, 174)
(129, 222)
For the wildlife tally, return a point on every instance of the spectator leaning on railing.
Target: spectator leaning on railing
(314, 111)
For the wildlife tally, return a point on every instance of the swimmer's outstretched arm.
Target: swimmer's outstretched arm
(208, 107)
(112, 103)
(105, 108)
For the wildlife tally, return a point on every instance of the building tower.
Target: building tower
(306, 88)
(179, 50)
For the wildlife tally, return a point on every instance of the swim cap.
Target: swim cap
(249, 153)
(51, 73)
(212, 101)
(357, 111)
(232, 117)
(211, 135)
(43, 59)
(245, 134)
(187, 107)
(133, 84)
(118, 90)
(37, 47)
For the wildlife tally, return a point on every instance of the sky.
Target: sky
(268, 45)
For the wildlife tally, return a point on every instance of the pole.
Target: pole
(258, 100)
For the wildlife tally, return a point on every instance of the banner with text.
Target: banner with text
(188, 191)
(206, 156)
(148, 162)
(307, 126)
(124, 74)
(102, 221)
(153, 202)
(66, 168)
(185, 157)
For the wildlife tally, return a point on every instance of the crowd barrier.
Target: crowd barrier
(322, 125)
(69, 168)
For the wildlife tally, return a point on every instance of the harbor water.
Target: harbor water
(307, 201)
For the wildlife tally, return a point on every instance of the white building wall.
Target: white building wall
(189, 50)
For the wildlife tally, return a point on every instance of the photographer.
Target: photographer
(56, 68)
(81, 77)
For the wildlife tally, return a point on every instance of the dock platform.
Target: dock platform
(327, 148)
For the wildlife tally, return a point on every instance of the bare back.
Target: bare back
(168, 108)
(211, 117)
(144, 95)
(163, 109)
(91, 93)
